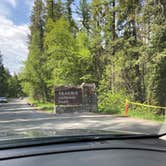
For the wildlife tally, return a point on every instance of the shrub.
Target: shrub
(111, 102)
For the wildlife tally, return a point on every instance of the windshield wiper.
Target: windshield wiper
(41, 141)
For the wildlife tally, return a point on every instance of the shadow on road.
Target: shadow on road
(18, 117)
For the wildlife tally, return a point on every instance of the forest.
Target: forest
(10, 85)
(120, 45)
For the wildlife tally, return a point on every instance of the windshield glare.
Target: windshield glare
(82, 67)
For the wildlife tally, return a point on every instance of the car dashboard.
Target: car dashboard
(149, 152)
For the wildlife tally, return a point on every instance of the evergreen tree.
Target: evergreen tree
(96, 36)
(69, 16)
(34, 73)
(5, 78)
(132, 70)
(84, 13)
(68, 56)
(54, 9)
(2, 78)
(157, 43)
(50, 9)
(14, 84)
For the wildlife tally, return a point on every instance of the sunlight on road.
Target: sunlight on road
(17, 119)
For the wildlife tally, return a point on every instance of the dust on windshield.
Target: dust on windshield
(82, 66)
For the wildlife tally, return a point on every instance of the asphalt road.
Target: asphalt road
(18, 119)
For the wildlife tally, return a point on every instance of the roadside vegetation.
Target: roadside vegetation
(42, 106)
(118, 45)
(115, 104)
(146, 113)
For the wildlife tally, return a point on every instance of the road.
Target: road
(18, 119)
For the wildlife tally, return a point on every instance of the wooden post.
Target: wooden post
(126, 107)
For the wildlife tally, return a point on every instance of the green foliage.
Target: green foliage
(119, 45)
(4, 77)
(84, 13)
(61, 47)
(70, 55)
(111, 103)
(145, 113)
(42, 106)
(54, 9)
(10, 86)
(156, 89)
(14, 87)
(34, 74)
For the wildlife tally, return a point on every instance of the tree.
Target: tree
(68, 56)
(109, 41)
(4, 76)
(34, 73)
(157, 43)
(68, 16)
(96, 36)
(15, 89)
(127, 25)
(9, 85)
(1, 59)
(50, 9)
(84, 12)
(54, 9)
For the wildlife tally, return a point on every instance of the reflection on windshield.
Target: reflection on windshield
(80, 66)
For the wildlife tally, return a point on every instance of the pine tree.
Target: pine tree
(54, 9)
(59, 10)
(109, 38)
(50, 9)
(69, 16)
(157, 50)
(96, 36)
(4, 77)
(84, 13)
(132, 69)
(34, 73)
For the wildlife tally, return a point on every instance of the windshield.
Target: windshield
(80, 67)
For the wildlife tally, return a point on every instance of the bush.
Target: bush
(111, 103)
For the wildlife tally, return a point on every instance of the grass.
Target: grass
(47, 107)
(145, 113)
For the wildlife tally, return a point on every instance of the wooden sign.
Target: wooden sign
(68, 95)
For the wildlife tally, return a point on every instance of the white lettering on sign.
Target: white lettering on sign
(68, 95)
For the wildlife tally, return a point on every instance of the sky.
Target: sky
(14, 22)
